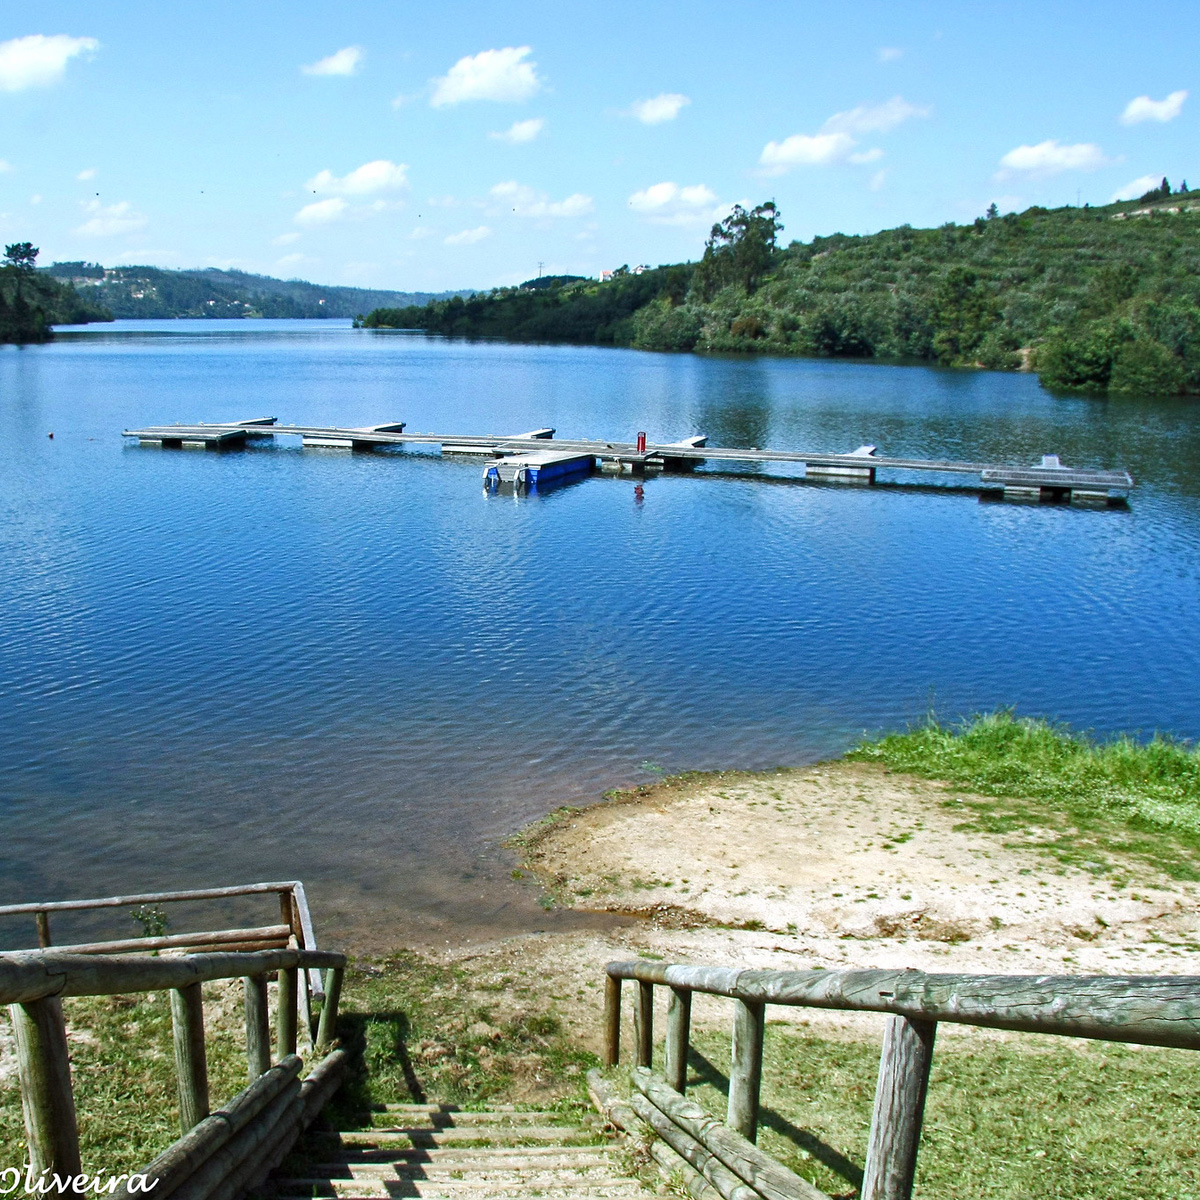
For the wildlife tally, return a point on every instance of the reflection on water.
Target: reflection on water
(363, 671)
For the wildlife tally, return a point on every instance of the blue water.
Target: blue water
(363, 671)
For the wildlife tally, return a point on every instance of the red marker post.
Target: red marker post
(641, 443)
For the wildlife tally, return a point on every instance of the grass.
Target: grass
(417, 1031)
(124, 1073)
(1006, 1119)
(424, 1032)
(1088, 800)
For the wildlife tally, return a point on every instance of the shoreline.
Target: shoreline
(836, 865)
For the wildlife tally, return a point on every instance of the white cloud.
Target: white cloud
(806, 150)
(321, 212)
(874, 118)
(1051, 157)
(36, 198)
(290, 260)
(285, 239)
(521, 131)
(38, 60)
(877, 180)
(378, 176)
(468, 237)
(85, 175)
(656, 110)
(669, 204)
(5, 166)
(1142, 108)
(890, 53)
(107, 220)
(344, 62)
(835, 142)
(1137, 187)
(525, 202)
(502, 75)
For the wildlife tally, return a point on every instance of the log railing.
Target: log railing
(1143, 1010)
(294, 929)
(219, 1152)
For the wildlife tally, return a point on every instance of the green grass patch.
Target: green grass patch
(1088, 799)
(1054, 1118)
(427, 1032)
(123, 1066)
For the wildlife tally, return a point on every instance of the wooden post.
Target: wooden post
(287, 916)
(899, 1106)
(612, 1021)
(258, 1026)
(679, 1022)
(287, 1012)
(45, 1073)
(745, 1074)
(643, 1023)
(327, 1026)
(43, 929)
(191, 1064)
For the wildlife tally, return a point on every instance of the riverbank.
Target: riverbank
(1095, 870)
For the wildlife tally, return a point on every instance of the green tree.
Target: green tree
(739, 249)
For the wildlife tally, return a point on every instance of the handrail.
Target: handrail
(246, 889)
(30, 975)
(1147, 1010)
(1153, 1010)
(34, 982)
(294, 914)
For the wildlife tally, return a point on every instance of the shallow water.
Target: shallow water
(362, 671)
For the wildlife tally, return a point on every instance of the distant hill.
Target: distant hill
(154, 292)
(1103, 299)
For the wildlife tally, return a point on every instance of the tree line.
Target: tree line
(1103, 299)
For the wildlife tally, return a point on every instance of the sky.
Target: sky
(454, 145)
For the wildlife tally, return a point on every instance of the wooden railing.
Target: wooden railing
(294, 930)
(1144, 1010)
(219, 1152)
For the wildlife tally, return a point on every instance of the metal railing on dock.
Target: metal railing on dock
(1142, 1010)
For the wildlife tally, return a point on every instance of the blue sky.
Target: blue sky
(429, 146)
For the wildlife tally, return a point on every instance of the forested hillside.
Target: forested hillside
(32, 301)
(1096, 299)
(153, 292)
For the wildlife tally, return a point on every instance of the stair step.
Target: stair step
(377, 1171)
(470, 1120)
(459, 1115)
(420, 1138)
(383, 1185)
(519, 1188)
(456, 1156)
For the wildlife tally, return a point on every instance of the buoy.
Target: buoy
(51, 436)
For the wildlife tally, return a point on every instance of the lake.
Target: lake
(364, 671)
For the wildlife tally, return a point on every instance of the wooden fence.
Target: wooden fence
(294, 929)
(221, 1153)
(1145, 1010)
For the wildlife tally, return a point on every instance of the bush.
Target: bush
(1144, 367)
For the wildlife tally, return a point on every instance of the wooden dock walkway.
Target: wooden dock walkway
(1045, 480)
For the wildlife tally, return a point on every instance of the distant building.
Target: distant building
(638, 270)
(606, 276)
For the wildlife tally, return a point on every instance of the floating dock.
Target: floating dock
(524, 459)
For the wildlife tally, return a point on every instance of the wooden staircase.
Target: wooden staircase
(436, 1150)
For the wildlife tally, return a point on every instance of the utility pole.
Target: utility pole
(540, 266)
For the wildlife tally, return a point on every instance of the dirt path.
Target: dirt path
(837, 865)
